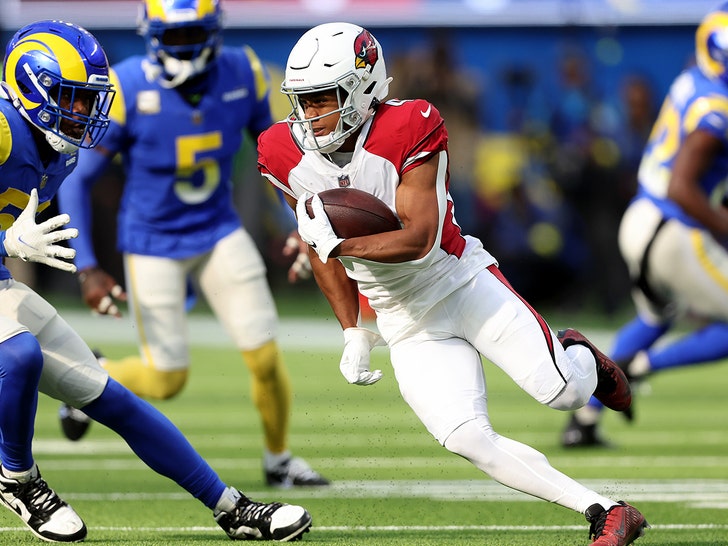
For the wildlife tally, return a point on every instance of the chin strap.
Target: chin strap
(59, 144)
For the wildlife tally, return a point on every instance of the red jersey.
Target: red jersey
(400, 136)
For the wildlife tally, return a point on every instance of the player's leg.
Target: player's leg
(157, 291)
(511, 334)
(639, 229)
(71, 373)
(685, 271)
(22, 489)
(443, 382)
(232, 278)
(582, 429)
(693, 268)
(20, 368)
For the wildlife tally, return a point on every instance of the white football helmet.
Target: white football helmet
(339, 56)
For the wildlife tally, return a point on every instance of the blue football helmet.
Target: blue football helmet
(182, 36)
(711, 44)
(57, 76)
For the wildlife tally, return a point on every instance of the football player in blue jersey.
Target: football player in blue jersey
(673, 234)
(178, 123)
(55, 96)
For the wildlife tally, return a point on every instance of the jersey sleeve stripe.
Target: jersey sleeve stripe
(262, 85)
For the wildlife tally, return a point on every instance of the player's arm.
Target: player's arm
(294, 247)
(418, 209)
(98, 288)
(74, 199)
(343, 296)
(698, 152)
(340, 291)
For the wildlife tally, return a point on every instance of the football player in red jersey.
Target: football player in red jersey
(440, 300)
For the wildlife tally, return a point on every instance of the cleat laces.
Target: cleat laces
(252, 517)
(42, 501)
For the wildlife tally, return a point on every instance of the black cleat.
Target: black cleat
(578, 435)
(45, 514)
(74, 422)
(294, 472)
(251, 520)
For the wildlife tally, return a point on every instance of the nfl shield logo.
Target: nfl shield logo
(344, 181)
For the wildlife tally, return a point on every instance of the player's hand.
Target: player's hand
(99, 290)
(301, 267)
(354, 365)
(33, 242)
(316, 231)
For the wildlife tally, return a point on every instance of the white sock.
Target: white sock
(272, 460)
(24, 476)
(587, 415)
(228, 500)
(640, 364)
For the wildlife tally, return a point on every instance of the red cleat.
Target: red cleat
(612, 386)
(621, 525)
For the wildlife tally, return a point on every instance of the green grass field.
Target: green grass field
(392, 483)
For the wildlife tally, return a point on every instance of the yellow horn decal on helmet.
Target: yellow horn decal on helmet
(712, 23)
(155, 10)
(205, 8)
(68, 57)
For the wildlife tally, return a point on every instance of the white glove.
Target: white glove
(316, 231)
(33, 242)
(354, 365)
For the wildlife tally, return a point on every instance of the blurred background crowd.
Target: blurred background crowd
(547, 122)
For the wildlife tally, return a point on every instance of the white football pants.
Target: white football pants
(232, 279)
(440, 375)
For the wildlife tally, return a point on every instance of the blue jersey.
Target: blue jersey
(177, 158)
(694, 102)
(21, 169)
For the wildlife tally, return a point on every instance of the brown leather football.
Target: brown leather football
(355, 213)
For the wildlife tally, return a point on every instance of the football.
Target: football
(355, 213)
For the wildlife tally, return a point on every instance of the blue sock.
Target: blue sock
(634, 337)
(20, 367)
(706, 345)
(157, 441)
